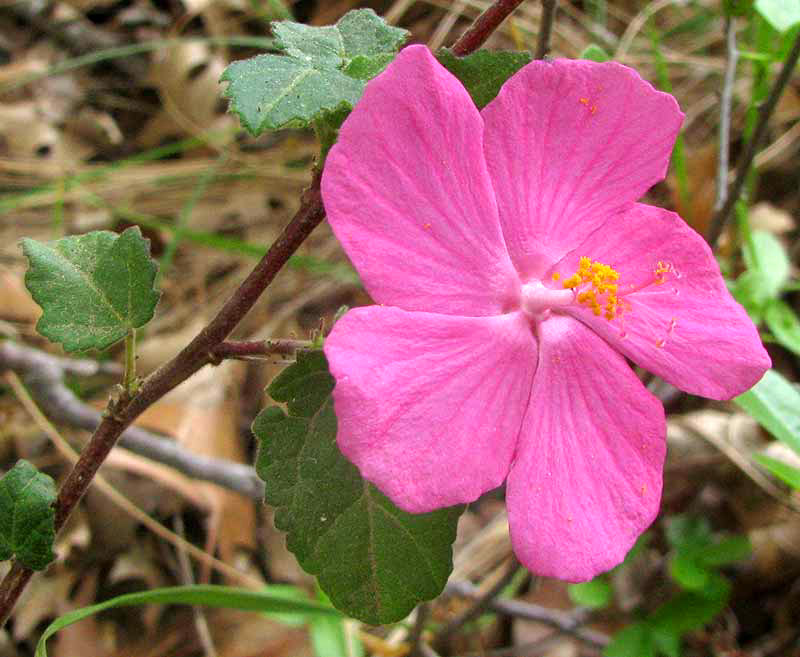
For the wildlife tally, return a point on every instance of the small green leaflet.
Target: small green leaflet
(484, 72)
(781, 14)
(766, 255)
(27, 528)
(784, 324)
(594, 53)
(374, 561)
(596, 593)
(697, 553)
(93, 288)
(774, 402)
(322, 70)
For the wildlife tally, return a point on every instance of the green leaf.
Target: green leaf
(784, 324)
(636, 640)
(685, 569)
(697, 552)
(27, 528)
(775, 404)
(765, 254)
(483, 72)
(781, 14)
(785, 472)
(323, 71)
(666, 642)
(750, 290)
(208, 595)
(725, 551)
(686, 531)
(596, 593)
(93, 288)
(595, 53)
(269, 92)
(690, 611)
(365, 34)
(375, 561)
(737, 7)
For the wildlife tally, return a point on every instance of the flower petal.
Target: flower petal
(408, 195)
(430, 406)
(687, 329)
(567, 143)
(586, 479)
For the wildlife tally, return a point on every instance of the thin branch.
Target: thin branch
(483, 27)
(726, 103)
(43, 375)
(415, 636)
(118, 499)
(546, 27)
(199, 352)
(568, 623)
(721, 217)
(478, 607)
(257, 349)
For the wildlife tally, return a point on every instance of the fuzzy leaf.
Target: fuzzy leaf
(375, 561)
(93, 288)
(27, 528)
(483, 72)
(269, 92)
(322, 70)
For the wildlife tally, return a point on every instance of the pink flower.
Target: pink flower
(515, 273)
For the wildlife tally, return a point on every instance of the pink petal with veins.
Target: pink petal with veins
(430, 406)
(687, 329)
(586, 479)
(569, 143)
(408, 195)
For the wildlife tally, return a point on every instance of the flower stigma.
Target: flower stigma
(537, 299)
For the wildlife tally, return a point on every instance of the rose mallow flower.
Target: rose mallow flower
(515, 272)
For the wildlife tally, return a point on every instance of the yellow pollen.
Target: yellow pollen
(556, 276)
(599, 292)
(661, 269)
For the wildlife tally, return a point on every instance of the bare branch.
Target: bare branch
(546, 27)
(568, 623)
(721, 216)
(43, 374)
(726, 103)
(483, 27)
(478, 607)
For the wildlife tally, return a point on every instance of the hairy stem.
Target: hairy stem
(129, 376)
(200, 351)
(258, 348)
(722, 215)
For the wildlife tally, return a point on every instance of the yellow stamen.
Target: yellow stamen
(600, 291)
(556, 276)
